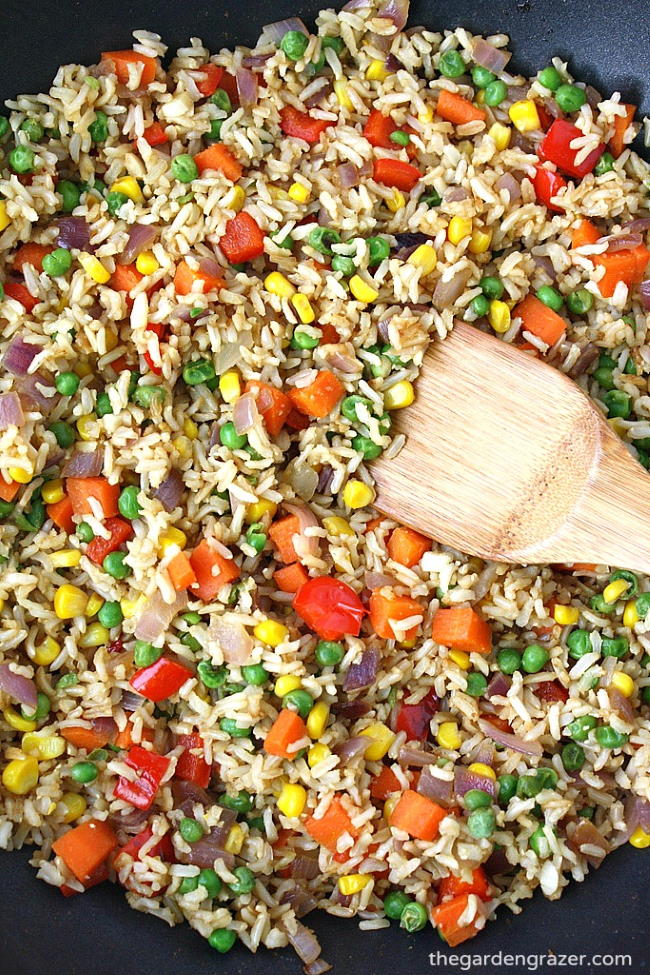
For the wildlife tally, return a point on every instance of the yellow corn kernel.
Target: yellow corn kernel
(337, 526)
(278, 285)
(86, 427)
(292, 800)
(131, 607)
(146, 263)
(129, 186)
(353, 883)
(639, 839)
(303, 308)
(317, 719)
(111, 340)
(21, 475)
(376, 71)
(500, 135)
(190, 429)
(16, 721)
(235, 840)
(448, 736)
(2, 604)
(44, 747)
(83, 368)
(382, 738)
(94, 268)
(499, 316)
(480, 769)
(356, 494)
(630, 614)
(400, 395)
(75, 806)
(235, 199)
(396, 202)
(623, 683)
(425, 116)
(362, 291)
(389, 806)
(523, 115)
(66, 558)
(4, 219)
(615, 590)
(298, 193)
(95, 636)
(53, 491)
(278, 194)
(424, 257)
(286, 683)
(341, 92)
(317, 753)
(460, 658)
(480, 96)
(229, 384)
(69, 601)
(46, 652)
(271, 632)
(480, 241)
(182, 446)
(259, 510)
(20, 776)
(171, 537)
(566, 615)
(93, 606)
(458, 229)
(408, 644)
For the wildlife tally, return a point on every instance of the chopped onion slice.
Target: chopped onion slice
(273, 33)
(157, 615)
(19, 356)
(22, 689)
(490, 57)
(514, 742)
(84, 463)
(236, 644)
(11, 411)
(141, 237)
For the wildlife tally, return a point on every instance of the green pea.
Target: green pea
(191, 618)
(431, 198)
(255, 674)
(550, 78)
(67, 383)
(215, 131)
(210, 880)
(507, 788)
(534, 658)
(508, 660)
(480, 306)
(114, 201)
(84, 772)
(476, 684)
(399, 138)
(32, 129)
(103, 406)
(539, 842)
(294, 44)
(315, 67)
(477, 799)
(599, 604)
(58, 262)
(144, 396)
(184, 169)
(85, 532)
(547, 777)
(642, 604)
(495, 92)
(110, 615)
(4, 126)
(482, 77)
(607, 737)
(329, 653)
(212, 676)
(229, 689)
(96, 186)
(199, 371)
(286, 242)
(579, 302)
(580, 728)
(22, 159)
(114, 565)
(190, 829)
(68, 680)
(335, 43)
(242, 802)
(615, 647)
(452, 65)
(43, 707)
(573, 757)
(145, 654)
(302, 339)
(587, 812)
(98, 128)
(245, 881)
(528, 786)
(128, 504)
(222, 939)
(604, 165)
(394, 903)
(482, 823)
(98, 755)
(298, 700)
(491, 287)
(550, 297)
(349, 406)
(230, 727)
(322, 238)
(618, 403)
(221, 99)
(256, 538)
(570, 98)
(191, 642)
(414, 917)
(70, 194)
(579, 643)
(345, 265)
(230, 438)
(367, 447)
(378, 250)
(188, 885)
(630, 367)
(628, 577)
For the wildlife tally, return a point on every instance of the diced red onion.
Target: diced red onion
(497, 863)
(447, 293)
(186, 794)
(246, 87)
(325, 478)
(351, 710)
(484, 753)
(621, 705)
(210, 267)
(305, 865)
(511, 185)
(585, 360)
(455, 194)
(349, 175)
(244, 413)
(305, 943)
(130, 701)
(586, 834)
(19, 356)
(299, 899)
(364, 673)
(209, 848)
(22, 689)
(11, 411)
(305, 545)
(440, 790)
(255, 60)
(395, 10)
(105, 726)
(29, 390)
(490, 57)
(131, 822)
(157, 615)
(546, 264)
(375, 580)
(621, 242)
(415, 756)
(317, 967)
(74, 234)
(637, 813)
(520, 141)
(342, 361)
(318, 97)
(498, 686)
(516, 93)
(351, 748)
(552, 108)
(644, 291)
(84, 463)
(514, 742)
(141, 237)
(273, 33)
(236, 644)
(411, 239)
(593, 96)
(638, 226)
(171, 490)
(356, 4)
(464, 780)
(392, 64)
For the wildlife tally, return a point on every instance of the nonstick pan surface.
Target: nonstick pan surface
(41, 933)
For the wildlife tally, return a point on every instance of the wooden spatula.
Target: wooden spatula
(506, 458)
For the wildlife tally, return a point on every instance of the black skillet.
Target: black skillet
(41, 933)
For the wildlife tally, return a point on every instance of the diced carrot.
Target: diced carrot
(446, 917)
(454, 108)
(18, 291)
(205, 559)
(540, 320)
(291, 577)
(31, 254)
(418, 816)
(8, 489)
(213, 75)
(125, 738)
(297, 421)
(372, 524)
(453, 886)
(331, 826)
(621, 125)
(575, 566)
(84, 848)
(383, 609)
(85, 737)
(243, 240)
(220, 159)
(273, 405)
(61, 514)
(626, 265)
(407, 546)
(461, 628)
(287, 729)
(81, 489)
(185, 279)
(320, 397)
(181, 572)
(121, 61)
(155, 135)
(383, 784)
(329, 335)
(125, 277)
(585, 233)
(281, 534)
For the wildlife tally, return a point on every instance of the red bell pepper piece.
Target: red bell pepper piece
(378, 130)
(330, 607)
(547, 185)
(121, 531)
(394, 172)
(164, 848)
(155, 135)
(556, 147)
(300, 125)
(14, 289)
(190, 766)
(98, 876)
(414, 719)
(551, 690)
(243, 240)
(150, 769)
(161, 679)
(213, 75)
